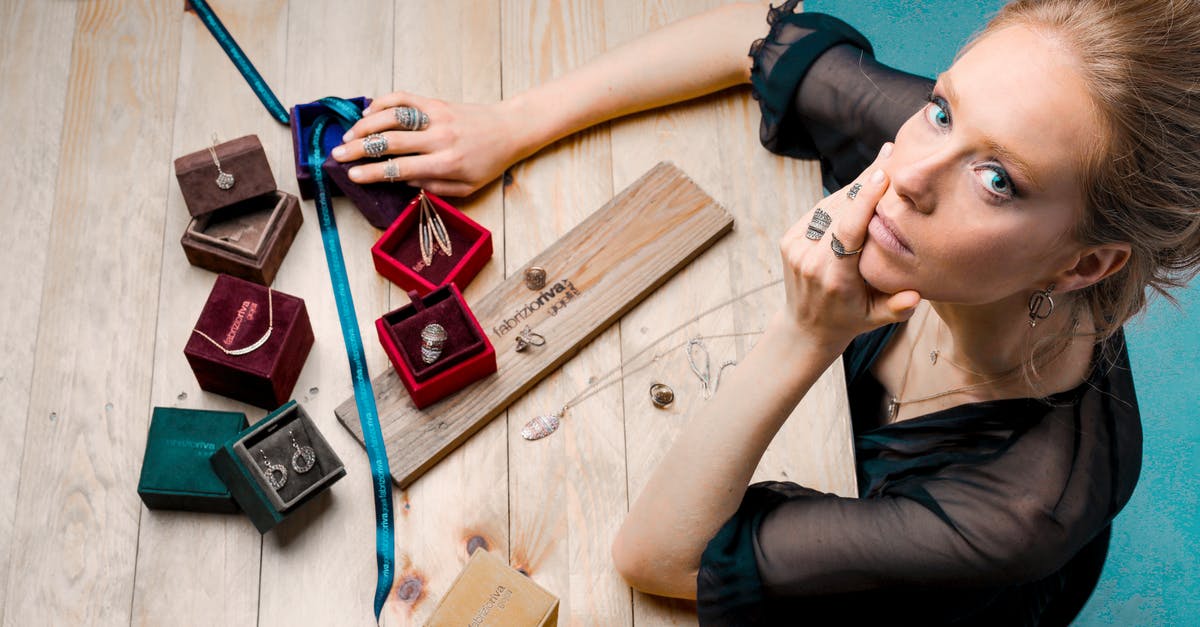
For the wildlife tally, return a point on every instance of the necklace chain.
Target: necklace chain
(257, 343)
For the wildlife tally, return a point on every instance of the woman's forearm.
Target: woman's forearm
(702, 479)
(695, 56)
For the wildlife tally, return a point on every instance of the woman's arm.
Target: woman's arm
(702, 479)
(466, 146)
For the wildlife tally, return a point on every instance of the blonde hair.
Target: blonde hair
(1141, 62)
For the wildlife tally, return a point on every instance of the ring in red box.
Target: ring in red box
(250, 342)
(397, 254)
(248, 240)
(380, 203)
(302, 118)
(466, 356)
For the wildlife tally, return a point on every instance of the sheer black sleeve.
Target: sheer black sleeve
(823, 95)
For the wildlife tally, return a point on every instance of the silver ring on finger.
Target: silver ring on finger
(839, 249)
(410, 118)
(852, 193)
(374, 145)
(818, 225)
(391, 171)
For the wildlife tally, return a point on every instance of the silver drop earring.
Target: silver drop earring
(276, 473)
(1041, 305)
(304, 457)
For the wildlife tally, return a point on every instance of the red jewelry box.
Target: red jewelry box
(241, 315)
(380, 203)
(397, 253)
(467, 355)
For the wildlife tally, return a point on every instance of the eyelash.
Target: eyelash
(939, 102)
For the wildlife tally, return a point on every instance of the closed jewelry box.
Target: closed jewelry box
(464, 357)
(380, 203)
(250, 342)
(243, 167)
(277, 465)
(303, 117)
(490, 593)
(398, 256)
(176, 469)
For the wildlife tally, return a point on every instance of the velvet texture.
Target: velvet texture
(248, 240)
(467, 355)
(380, 203)
(239, 463)
(243, 157)
(302, 118)
(176, 473)
(397, 253)
(236, 315)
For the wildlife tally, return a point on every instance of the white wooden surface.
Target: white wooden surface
(96, 99)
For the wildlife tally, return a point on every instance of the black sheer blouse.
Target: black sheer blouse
(986, 513)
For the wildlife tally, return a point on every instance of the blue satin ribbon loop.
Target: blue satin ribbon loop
(240, 60)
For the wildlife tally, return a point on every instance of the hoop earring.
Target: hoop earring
(1040, 305)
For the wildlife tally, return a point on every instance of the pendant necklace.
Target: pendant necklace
(545, 424)
(257, 344)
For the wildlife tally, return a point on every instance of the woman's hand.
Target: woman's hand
(463, 148)
(827, 298)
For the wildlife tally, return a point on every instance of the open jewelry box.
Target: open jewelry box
(242, 224)
(277, 465)
(465, 357)
(302, 119)
(250, 342)
(398, 256)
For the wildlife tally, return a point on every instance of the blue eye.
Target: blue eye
(996, 181)
(937, 112)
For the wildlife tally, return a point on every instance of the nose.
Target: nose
(919, 173)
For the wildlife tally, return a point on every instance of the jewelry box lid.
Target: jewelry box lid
(224, 174)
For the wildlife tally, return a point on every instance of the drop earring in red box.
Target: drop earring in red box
(432, 244)
(436, 345)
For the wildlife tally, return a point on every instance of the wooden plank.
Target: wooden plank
(212, 98)
(75, 536)
(35, 57)
(463, 502)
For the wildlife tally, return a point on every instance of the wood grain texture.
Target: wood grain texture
(77, 511)
(212, 98)
(35, 57)
(614, 258)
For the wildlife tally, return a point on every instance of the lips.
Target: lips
(884, 232)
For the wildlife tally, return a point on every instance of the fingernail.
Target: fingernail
(339, 152)
(877, 176)
(347, 136)
(356, 174)
(886, 150)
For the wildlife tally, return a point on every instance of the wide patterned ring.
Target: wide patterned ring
(374, 145)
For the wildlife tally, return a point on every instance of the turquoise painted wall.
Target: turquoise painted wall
(1154, 561)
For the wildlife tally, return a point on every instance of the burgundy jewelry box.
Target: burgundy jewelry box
(302, 118)
(467, 355)
(257, 342)
(242, 158)
(248, 240)
(380, 203)
(397, 253)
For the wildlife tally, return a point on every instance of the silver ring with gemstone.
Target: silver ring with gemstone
(374, 145)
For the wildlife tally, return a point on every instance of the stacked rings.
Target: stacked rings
(818, 225)
(374, 145)
(433, 338)
(410, 118)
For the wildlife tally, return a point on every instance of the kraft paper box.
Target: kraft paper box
(176, 469)
(397, 254)
(243, 464)
(489, 593)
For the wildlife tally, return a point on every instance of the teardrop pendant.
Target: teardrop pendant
(541, 426)
(933, 356)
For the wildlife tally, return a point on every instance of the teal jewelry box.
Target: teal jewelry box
(277, 465)
(176, 470)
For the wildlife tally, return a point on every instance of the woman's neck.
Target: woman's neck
(996, 337)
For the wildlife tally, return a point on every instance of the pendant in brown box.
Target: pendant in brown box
(250, 342)
(224, 174)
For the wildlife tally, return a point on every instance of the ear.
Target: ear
(1093, 265)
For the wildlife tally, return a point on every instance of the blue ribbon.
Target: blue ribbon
(240, 60)
(364, 395)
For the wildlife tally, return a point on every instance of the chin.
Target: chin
(883, 274)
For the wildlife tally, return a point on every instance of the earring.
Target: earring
(1041, 305)
(528, 338)
(304, 457)
(276, 473)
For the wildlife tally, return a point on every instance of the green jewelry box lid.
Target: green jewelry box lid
(276, 446)
(176, 469)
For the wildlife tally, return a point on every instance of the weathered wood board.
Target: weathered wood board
(595, 273)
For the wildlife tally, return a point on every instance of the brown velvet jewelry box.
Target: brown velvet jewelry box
(245, 230)
(250, 342)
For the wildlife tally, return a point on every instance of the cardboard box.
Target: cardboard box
(269, 327)
(380, 203)
(397, 253)
(302, 119)
(489, 593)
(244, 462)
(467, 356)
(176, 468)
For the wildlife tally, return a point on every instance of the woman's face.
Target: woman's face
(986, 179)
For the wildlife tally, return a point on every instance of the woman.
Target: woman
(974, 278)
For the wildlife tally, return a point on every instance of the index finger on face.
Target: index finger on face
(863, 194)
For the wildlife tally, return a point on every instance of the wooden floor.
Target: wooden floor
(96, 99)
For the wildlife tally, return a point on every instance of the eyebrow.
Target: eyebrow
(1005, 154)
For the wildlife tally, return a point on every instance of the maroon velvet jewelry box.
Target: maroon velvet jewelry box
(397, 253)
(243, 159)
(467, 355)
(380, 203)
(257, 342)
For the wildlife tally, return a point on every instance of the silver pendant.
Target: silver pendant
(541, 426)
(933, 355)
(225, 180)
(893, 407)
